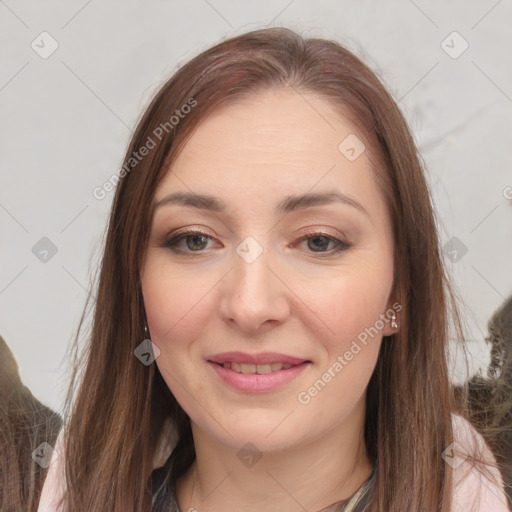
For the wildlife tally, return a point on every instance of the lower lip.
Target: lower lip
(255, 382)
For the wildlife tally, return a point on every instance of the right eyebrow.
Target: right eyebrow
(200, 201)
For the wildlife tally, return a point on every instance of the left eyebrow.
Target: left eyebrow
(300, 202)
(287, 205)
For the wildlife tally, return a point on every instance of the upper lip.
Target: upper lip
(262, 358)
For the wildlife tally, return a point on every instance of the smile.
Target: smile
(260, 369)
(256, 378)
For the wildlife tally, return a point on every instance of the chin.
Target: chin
(263, 438)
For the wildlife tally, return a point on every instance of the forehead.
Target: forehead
(271, 144)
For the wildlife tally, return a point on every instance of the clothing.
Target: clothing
(472, 491)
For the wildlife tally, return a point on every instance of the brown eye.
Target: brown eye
(319, 243)
(195, 242)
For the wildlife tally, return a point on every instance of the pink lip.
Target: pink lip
(263, 358)
(255, 383)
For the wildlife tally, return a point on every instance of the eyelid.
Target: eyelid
(188, 231)
(322, 232)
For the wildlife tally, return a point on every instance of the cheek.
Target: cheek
(349, 305)
(176, 304)
(177, 308)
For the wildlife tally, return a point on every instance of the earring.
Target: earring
(146, 331)
(393, 321)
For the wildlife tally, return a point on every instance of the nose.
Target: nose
(254, 295)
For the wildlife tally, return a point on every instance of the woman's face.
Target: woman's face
(271, 271)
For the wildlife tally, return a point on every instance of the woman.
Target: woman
(273, 236)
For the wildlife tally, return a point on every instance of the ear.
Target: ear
(392, 319)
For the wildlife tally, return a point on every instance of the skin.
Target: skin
(298, 298)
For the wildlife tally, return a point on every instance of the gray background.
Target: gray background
(67, 119)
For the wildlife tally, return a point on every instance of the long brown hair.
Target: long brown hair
(121, 405)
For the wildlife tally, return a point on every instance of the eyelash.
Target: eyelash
(172, 242)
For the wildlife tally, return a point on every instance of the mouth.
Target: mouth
(262, 363)
(260, 369)
(257, 378)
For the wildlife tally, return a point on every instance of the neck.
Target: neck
(310, 476)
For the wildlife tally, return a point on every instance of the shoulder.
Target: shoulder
(477, 484)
